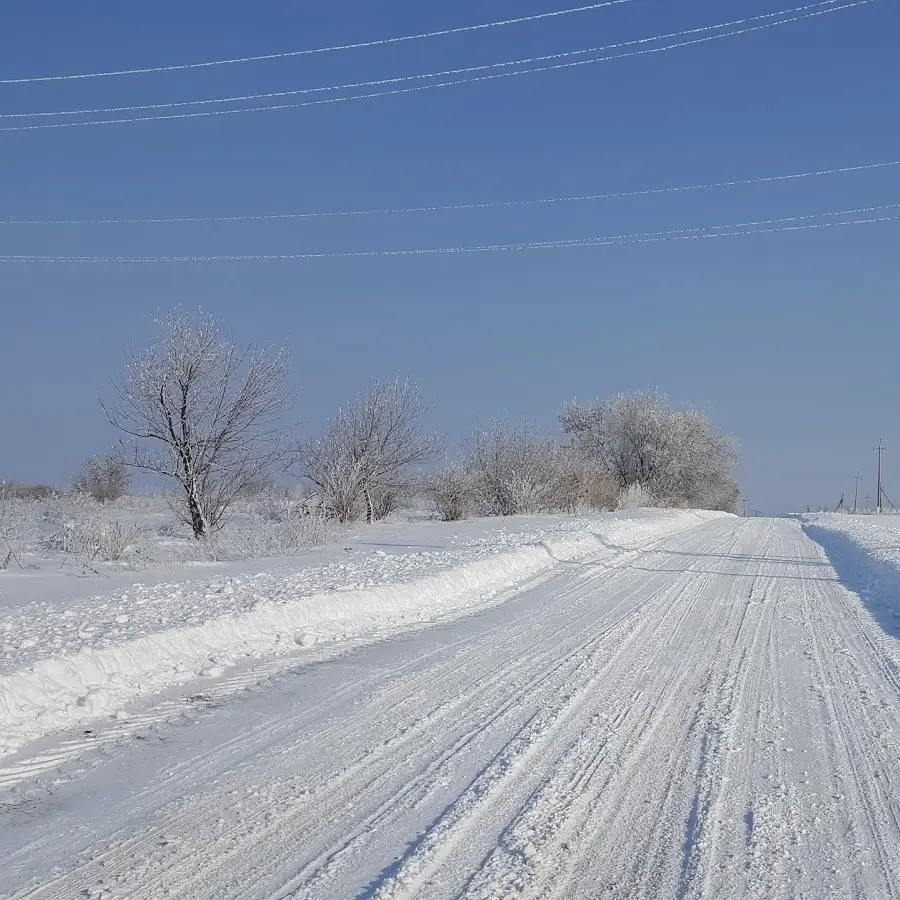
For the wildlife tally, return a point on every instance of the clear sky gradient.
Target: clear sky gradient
(789, 339)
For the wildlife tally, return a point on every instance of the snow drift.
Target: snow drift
(865, 553)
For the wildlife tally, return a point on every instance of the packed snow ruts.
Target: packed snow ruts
(718, 716)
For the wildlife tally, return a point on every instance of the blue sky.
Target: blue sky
(789, 339)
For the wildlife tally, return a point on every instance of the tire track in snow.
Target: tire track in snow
(122, 861)
(654, 788)
(463, 820)
(560, 807)
(715, 717)
(547, 660)
(399, 884)
(865, 774)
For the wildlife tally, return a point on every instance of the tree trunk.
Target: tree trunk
(199, 525)
(370, 507)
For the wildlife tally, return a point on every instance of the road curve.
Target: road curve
(714, 716)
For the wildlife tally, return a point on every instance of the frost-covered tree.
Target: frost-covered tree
(204, 412)
(517, 471)
(104, 478)
(364, 457)
(675, 455)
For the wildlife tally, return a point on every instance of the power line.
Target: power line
(747, 228)
(453, 207)
(467, 70)
(315, 50)
(441, 84)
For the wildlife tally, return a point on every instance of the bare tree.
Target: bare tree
(204, 412)
(367, 449)
(675, 455)
(104, 478)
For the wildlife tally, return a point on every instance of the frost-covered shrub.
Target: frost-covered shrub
(451, 491)
(594, 489)
(271, 505)
(203, 550)
(17, 528)
(386, 502)
(140, 531)
(516, 471)
(170, 530)
(295, 533)
(105, 478)
(93, 540)
(55, 511)
(16, 490)
(636, 496)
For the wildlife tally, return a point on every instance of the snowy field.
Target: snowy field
(73, 535)
(647, 705)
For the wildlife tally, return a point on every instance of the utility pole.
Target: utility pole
(744, 501)
(856, 491)
(878, 492)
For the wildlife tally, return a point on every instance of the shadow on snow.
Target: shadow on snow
(876, 581)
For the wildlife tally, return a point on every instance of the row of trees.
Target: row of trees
(211, 417)
(633, 450)
(675, 454)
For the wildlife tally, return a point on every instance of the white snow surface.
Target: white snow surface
(69, 661)
(711, 714)
(865, 551)
(878, 536)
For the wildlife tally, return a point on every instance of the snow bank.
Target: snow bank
(61, 690)
(865, 553)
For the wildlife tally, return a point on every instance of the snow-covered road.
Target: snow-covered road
(712, 716)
